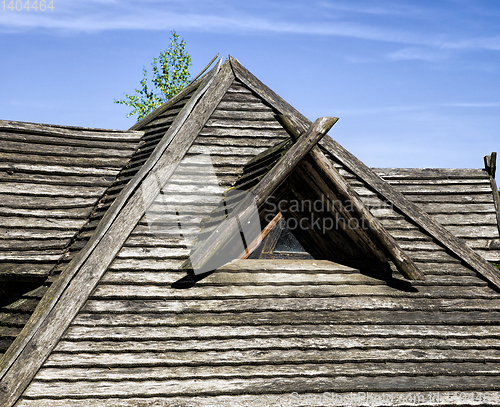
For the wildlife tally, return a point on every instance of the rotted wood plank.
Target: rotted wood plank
(66, 295)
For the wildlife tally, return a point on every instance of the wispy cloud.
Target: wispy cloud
(224, 16)
(419, 53)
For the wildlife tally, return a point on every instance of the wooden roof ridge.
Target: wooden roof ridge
(68, 293)
(383, 188)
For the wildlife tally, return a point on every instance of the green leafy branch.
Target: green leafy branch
(170, 75)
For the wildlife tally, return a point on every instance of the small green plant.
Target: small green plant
(170, 74)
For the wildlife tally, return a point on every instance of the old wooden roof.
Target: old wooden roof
(111, 330)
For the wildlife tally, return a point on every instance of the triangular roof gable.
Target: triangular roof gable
(381, 187)
(373, 241)
(66, 296)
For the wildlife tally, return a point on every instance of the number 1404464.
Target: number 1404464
(28, 5)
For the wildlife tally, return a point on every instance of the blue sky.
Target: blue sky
(414, 83)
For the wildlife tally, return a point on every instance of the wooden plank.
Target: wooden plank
(306, 370)
(269, 278)
(257, 141)
(91, 181)
(65, 151)
(253, 106)
(31, 233)
(44, 168)
(69, 292)
(73, 213)
(276, 133)
(24, 270)
(428, 173)
(50, 190)
(226, 150)
(382, 187)
(274, 356)
(122, 291)
(70, 131)
(309, 397)
(496, 200)
(98, 162)
(265, 344)
(42, 223)
(243, 124)
(129, 145)
(204, 253)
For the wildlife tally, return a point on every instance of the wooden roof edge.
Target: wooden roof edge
(67, 131)
(258, 87)
(267, 185)
(65, 297)
(169, 103)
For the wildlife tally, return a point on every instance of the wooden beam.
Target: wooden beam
(65, 297)
(255, 243)
(381, 236)
(271, 181)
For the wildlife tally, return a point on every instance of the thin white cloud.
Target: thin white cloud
(224, 16)
(472, 104)
(418, 53)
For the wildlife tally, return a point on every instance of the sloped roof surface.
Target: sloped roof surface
(258, 332)
(50, 179)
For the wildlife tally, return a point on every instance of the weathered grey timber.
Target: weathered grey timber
(260, 332)
(41, 201)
